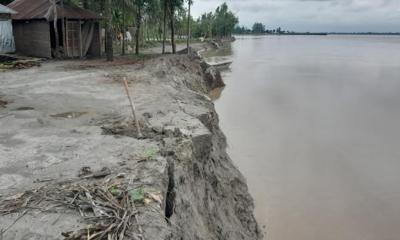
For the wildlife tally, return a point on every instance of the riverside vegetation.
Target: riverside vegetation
(152, 21)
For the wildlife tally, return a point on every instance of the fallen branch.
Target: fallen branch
(109, 209)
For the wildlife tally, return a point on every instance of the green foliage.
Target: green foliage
(258, 28)
(242, 30)
(219, 24)
(147, 15)
(137, 195)
(115, 191)
(150, 153)
(225, 21)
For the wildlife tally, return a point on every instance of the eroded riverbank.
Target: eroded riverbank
(66, 121)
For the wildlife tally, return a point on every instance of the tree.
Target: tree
(172, 26)
(190, 2)
(109, 32)
(219, 24)
(123, 26)
(224, 21)
(85, 4)
(173, 5)
(165, 10)
(153, 22)
(55, 27)
(139, 5)
(258, 28)
(241, 30)
(144, 9)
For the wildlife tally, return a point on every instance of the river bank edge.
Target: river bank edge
(191, 189)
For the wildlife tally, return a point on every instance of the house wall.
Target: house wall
(95, 47)
(32, 38)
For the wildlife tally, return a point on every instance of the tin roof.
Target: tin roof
(4, 9)
(42, 9)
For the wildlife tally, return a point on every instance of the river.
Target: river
(313, 123)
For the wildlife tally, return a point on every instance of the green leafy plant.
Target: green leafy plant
(115, 191)
(137, 195)
(150, 153)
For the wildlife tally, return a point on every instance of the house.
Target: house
(6, 32)
(52, 28)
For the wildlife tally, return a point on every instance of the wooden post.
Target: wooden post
(109, 32)
(55, 27)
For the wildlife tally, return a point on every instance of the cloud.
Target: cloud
(314, 15)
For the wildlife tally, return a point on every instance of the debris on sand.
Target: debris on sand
(109, 208)
(69, 115)
(100, 63)
(86, 172)
(24, 109)
(24, 64)
(12, 62)
(127, 127)
(3, 103)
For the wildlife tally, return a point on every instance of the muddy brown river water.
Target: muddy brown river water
(313, 122)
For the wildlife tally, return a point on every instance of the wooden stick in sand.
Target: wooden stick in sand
(132, 108)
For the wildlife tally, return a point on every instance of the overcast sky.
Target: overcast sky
(313, 15)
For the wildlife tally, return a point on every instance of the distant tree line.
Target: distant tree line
(259, 28)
